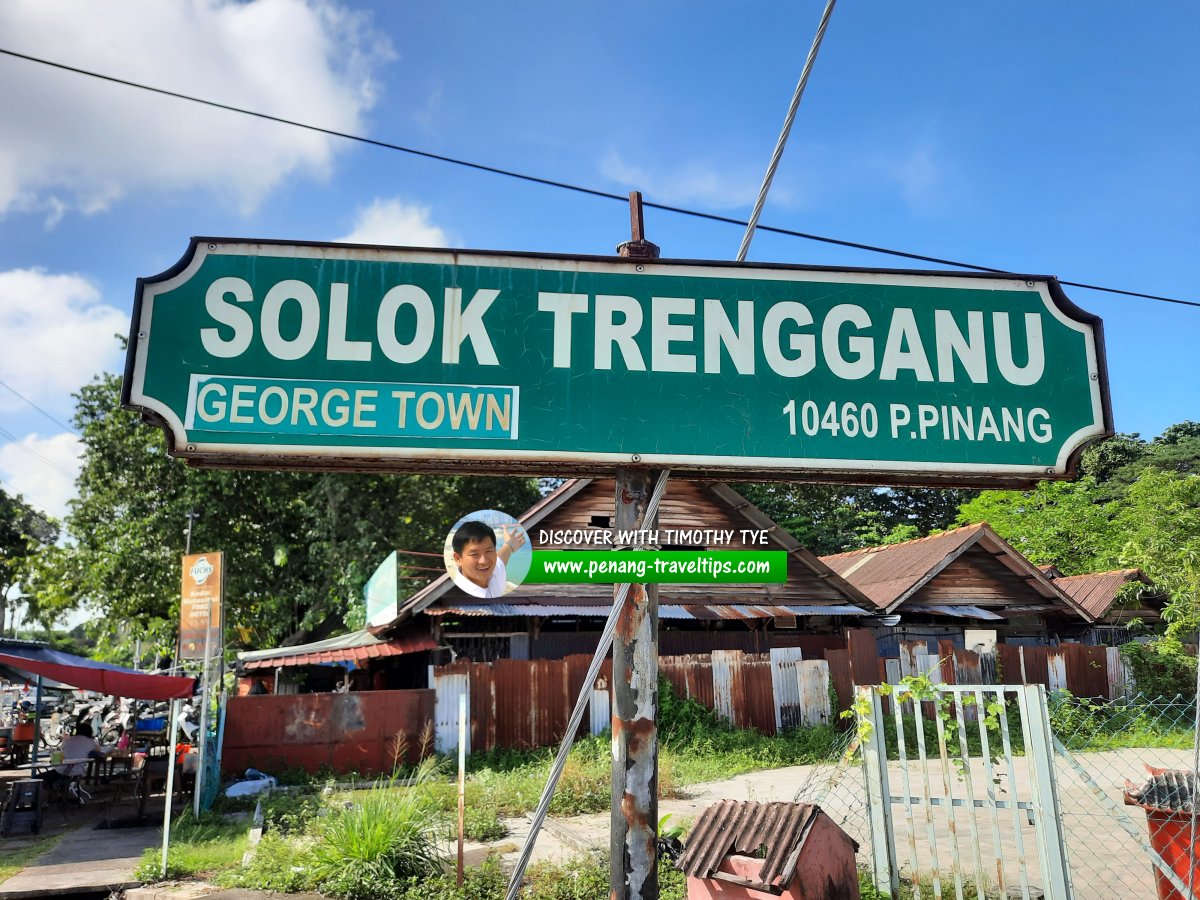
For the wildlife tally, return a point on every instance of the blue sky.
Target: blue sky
(1048, 138)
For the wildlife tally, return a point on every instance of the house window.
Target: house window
(785, 621)
(600, 521)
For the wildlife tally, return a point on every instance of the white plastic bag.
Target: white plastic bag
(255, 783)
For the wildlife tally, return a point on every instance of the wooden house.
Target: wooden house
(550, 621)
(1106, 597)
(967, 579)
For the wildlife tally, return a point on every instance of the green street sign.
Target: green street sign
(261, 354)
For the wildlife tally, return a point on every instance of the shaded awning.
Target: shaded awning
(30, 660)
(961, 612)
(666, 611)
(357, 647)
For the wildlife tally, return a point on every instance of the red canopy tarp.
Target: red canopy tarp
(31, 660)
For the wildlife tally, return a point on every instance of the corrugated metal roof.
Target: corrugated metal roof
(744, 827)
(891, 574)
(809, 577)
(356, 646)
(886, 574)
(1097, 591)
(665, 611)
(1166, 790)
(961, 612)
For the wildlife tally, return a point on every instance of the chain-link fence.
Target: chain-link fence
(1102, 750)
(1103, 746)
(839, 788)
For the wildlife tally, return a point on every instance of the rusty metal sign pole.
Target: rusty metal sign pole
(634, 868)
(634, 872)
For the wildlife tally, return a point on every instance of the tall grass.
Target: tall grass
(384, 835)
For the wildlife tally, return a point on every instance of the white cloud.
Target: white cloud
(691, 182)
(394, 222)
(58, 333)
(71, 142)
(42, 470)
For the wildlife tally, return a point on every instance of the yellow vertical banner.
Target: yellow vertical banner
(200, 604)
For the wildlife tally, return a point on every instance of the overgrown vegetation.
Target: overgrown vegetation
(392, 831)
(1162, 667)
(199, 847)
(586, 878)
(14, 859)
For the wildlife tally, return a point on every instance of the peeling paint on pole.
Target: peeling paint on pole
(634, 873)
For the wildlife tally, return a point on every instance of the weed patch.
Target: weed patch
(15, 859)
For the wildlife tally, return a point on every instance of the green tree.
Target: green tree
(22, 530)
(1160, 522)
(1066, 523)
(829, 518)
(298, 546)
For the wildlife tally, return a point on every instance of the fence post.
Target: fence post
(879, 795)
(1039, 749)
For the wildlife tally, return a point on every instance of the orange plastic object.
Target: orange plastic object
(1170, 833)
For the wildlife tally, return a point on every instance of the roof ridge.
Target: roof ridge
(1130, 571)
(929, 537)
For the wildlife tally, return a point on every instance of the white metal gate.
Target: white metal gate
(955, 807)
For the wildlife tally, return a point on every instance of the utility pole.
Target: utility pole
(634, 867)
(192, 516)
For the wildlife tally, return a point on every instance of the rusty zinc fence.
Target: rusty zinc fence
(366, 731)
(526, 703)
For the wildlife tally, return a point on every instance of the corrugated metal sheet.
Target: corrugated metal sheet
(448, 688)
(1097, 592)
(742, 827)
(813, 678)
(353, 732)
(691, 676)
(725, 666)
(1087, 670)
(1056, 671)
(756, 704)
(1009, 657)
(1117, 680)
(665, 611)
(895, 574)
(909, 650)
(1166, 790)
(785, 683)
(839, 674)
(961, 612)
(864, 656)
(886, 573)
(600, 710)
(348, 648)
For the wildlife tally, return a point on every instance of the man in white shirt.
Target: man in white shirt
(481, 567)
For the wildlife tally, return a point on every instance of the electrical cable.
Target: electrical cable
(47, 460)
(777, 155)
(21, 396)
(549, 182)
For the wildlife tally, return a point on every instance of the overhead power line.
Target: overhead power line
(47, 460)
(580, 189)
(21, 396)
